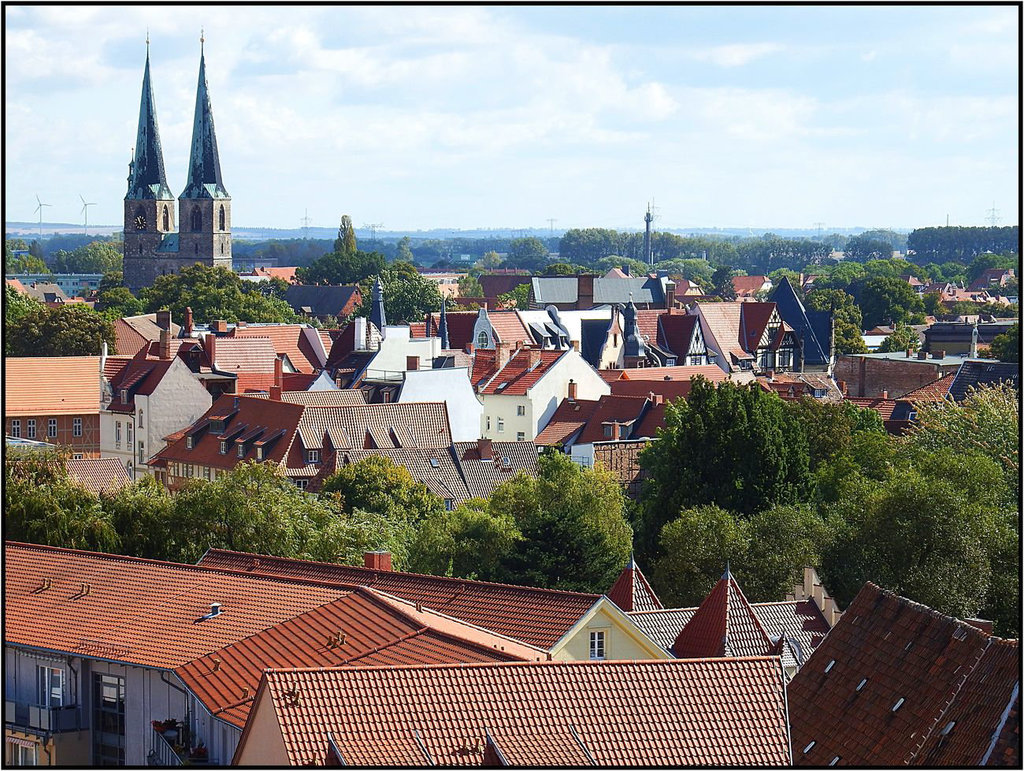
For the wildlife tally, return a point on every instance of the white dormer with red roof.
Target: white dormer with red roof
(521, 387)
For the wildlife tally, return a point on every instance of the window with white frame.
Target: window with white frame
(501, 425)
(51, 428)
(488, 422)
(22, 755)
(520, 436)
(30, 428)
(130, 436)
(76, 427)
(16, 428)
(597, 644)
(140, 418)
(312, 456)
(142, 451)
(117, 433)
(49, 687)
(302, 484)
(520, 410)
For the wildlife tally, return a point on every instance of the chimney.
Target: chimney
(842, 386)
(501, 354)
(656, 399)
(275, 393)
(163, 319)
(625, 268)
(940, 354)
(483, 447)
(670, 294)
(910, 352)
(210, 343)
(922, 355)
(576, 345)
(616, 428)
(164, 351)
(584, 292)
(533, 358)
(519, 344)
(572, 390)
(377, 560)
(188, 322)
(885, 393)
(220, 326)
(237, 324)
(771, 376)
(279, 372)
(469, 348)
(412, 363)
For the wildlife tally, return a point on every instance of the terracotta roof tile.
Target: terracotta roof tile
(723, 625)
(889, 678)
(935, 391)
(613, 409)
(568, 419)
(747, 286)
(676, 331)
(704, 712)
(99, 474)
(360, 628)
(305, 347)
(723, 324)
(516, 377)
(509, 327)
(709, 372)
(631, 590)
(51, 385)
(138, 611)
(535, 616)
(244, 354)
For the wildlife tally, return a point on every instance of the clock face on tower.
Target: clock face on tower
(140, 222)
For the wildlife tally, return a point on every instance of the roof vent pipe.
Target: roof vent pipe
(214, 609)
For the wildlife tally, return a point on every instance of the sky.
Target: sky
(478, 117)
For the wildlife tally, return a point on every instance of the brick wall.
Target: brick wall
(87, 445)
(866, 376)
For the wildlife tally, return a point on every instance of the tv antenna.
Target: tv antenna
(993, 215)
(305, 223)
(372, 227)
(85, 211)
(39, 209)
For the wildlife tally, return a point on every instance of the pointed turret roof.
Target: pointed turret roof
(443, 331)
(634, 342)
(147, 179)
(724, 625)
(204, 177)
(377, 317)
(632, 592)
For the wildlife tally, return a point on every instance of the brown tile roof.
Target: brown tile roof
(305, 347)
(621, 713)
(535, 616)
(138, 611)
(610, 375)
(460, 327)
(669, 390)
(509, 327)
(676, 330)
(488, 379)
(245, 354)
(710, 372)
(132, 333)
(883, 407)
(568, 418)
(747, 286)
(377, 630)
(631, 591)
(509, 459)
(51, 385)
(935, 391)
(723, 625)
(662, 626)
(495, 284)
(723, 323)
(896, 683)
(342, 397)
(99, 474)
(285, 274)
(754, 318)
(618, 409)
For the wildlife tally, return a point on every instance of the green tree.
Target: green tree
(65, 330)
(1006, 347)
(214, 293)
(530, 249)
(95, 257)
(142, 516)
(722, 281)
(16, 307)
(781, 540)
(695, 548)
(902, 338)
(341, 268)
(574, 532)
(468, 542)
(561, 269)
(735, 446)
(863, 248)
(489, 261)
(469, 286)
(377, 484)
(518, 298)
(886, 300)
(846, 315)
(933, 305)
(403, 253)
(112, 279)
(987, 260)
(345, 243)
(119, 302)
(408, 296)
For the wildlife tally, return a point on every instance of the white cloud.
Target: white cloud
(736, 54)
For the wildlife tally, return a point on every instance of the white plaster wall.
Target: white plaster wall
(451, 386)
(176, 403)
(548, 392)
(397, 346)
(507, 407)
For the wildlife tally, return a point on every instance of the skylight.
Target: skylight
(861, 684)
(831, 664)
(898, 704)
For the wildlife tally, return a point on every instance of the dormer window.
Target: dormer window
(259, 453)
(216, 426)
(312, 456)
(241, 450)
(124, 396)
(189, 443)
(223, 448)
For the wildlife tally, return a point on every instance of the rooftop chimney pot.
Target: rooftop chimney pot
(377, 560)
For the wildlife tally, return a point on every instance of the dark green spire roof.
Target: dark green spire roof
(147, 180)
(204, 178)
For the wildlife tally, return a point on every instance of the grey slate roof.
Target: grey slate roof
(321, 300)
(593, 333)
(434, 468)
(643, 291)
(509, 459)
(973, 373)
(204, 176)
(147, 179)
(813, 328)
(555, 289)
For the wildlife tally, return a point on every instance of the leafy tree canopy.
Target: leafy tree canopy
(845, 313)
(1006, 347)
(95, 257)
(408, 296)
(65, 330)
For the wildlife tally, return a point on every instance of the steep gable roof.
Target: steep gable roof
(360, 628)
(322, 300)
(99, 474)
(617, 409)
(748, 286)
(754, 317)
(568, 419)
(813, 328)
(897, 683)
(675, 332)
(51, 385)
(508, 327)
(723, 325)
(534, 616)
(935, 391)
(516, 377)
(483, 476)
(709, 712)
(975, 373)
(631, 591)
(460, 327)
(723, 625)
(307, 348)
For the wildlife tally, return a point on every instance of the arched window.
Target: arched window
(222, 217)
(481, 340)
(167, 219)
(197, 220)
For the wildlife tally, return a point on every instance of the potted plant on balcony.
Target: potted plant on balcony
(199, 752)
(170, 727)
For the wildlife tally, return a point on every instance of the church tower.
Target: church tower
(204, 206)
(149, 203)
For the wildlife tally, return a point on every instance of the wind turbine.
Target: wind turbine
(85, 211)
(39, 209)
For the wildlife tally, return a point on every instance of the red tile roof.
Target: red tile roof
(935, 391)
(724, 625)
(51, 385)
(613, 409)
(460, 327)
(509, 327)
(610, 375)
(374, 629)
(883, 407)
(138, 611)
(676, 332)
(709, 372)
(747, 286)
(568, 419)
(631, 591)
(534, 616)
(669, 390)
(620, 713)
(99, 474)
(517, 374)
(245, 354)
(897, 683)
(754, 318)
(299, 342)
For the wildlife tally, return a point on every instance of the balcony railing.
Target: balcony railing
(164, 753)
(52, 719)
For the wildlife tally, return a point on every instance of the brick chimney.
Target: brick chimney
(922, 355)
(188, 322)
(501, 354)
(576, 345)
(469, 348)
(885, 393)
(940, 354)
(842, 386)
(572, 390)
(210, 343)
(164, 350)
(584, 292)
(220, 326)
(533, 357)
(412, 363)
(910, 352)
(771, 376)
(275, 393)
(377, 560)
(483, 447)
(163, 319)
(279, 372)
(656, 399)
(670, 295)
